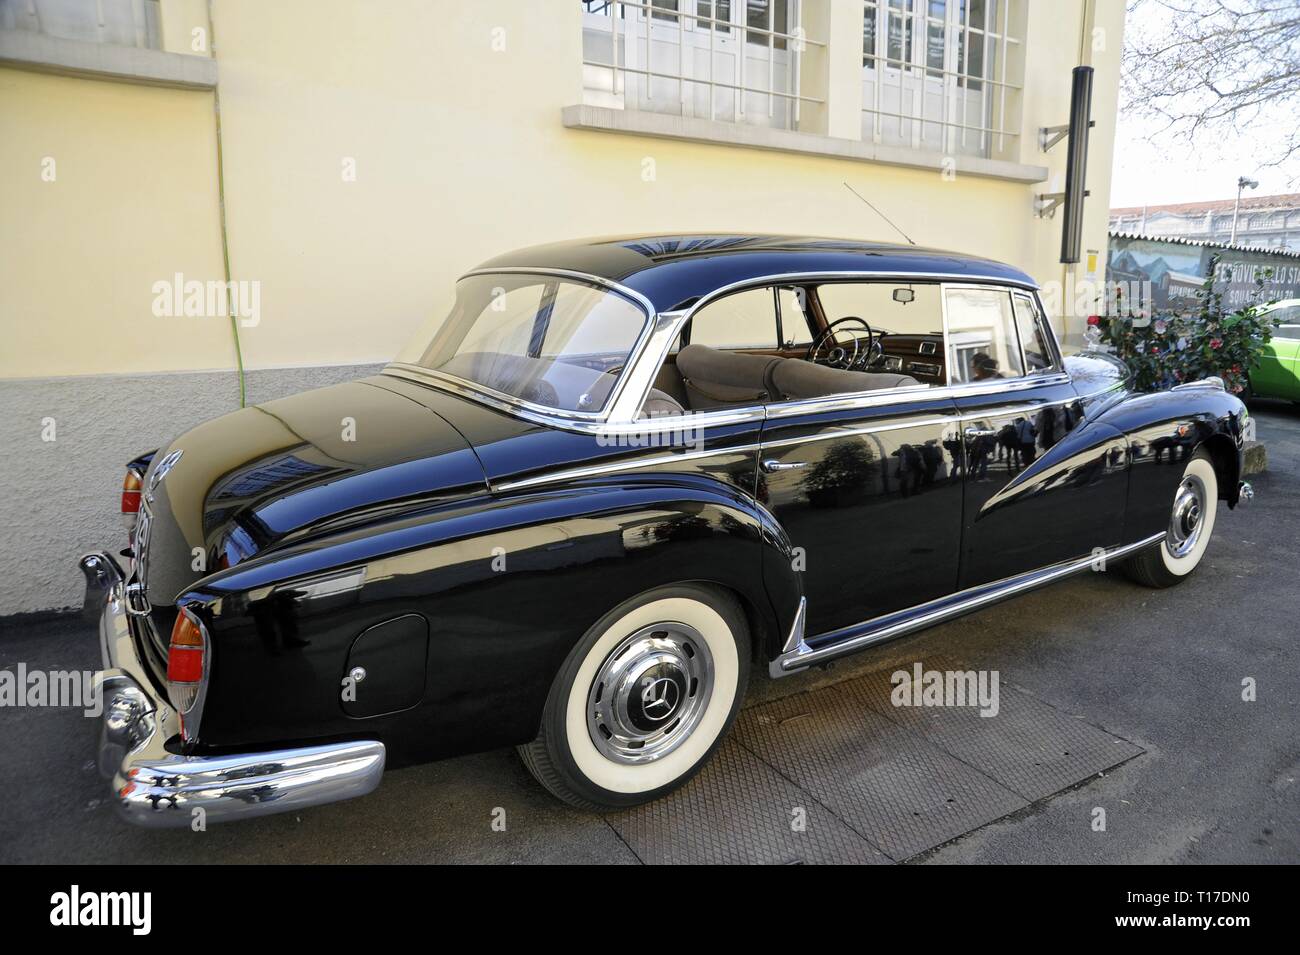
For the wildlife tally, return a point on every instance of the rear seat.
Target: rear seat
(804, 379)
(716, 379)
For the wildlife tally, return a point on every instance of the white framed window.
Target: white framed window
(935, 74)
(115, 22)
(729, 60)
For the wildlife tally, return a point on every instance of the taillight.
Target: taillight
(185, 661)
(131, 491)
(131, 485)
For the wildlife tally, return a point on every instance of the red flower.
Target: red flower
(1216, 342)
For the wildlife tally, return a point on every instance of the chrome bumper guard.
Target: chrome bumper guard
(158, 788)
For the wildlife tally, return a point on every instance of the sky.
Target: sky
(1169, 170)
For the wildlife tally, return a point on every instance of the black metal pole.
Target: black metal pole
(1076, 169)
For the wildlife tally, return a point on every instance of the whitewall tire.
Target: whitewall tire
(643, 699)
(1191, 522)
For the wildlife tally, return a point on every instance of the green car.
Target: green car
(1278, 373)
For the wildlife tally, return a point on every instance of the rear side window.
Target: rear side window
(1038, 353)
(743, 320)
(982, 340)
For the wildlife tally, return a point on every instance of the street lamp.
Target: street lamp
(1242, 183)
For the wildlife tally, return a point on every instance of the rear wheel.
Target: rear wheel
(644, 699)
(1191, 522)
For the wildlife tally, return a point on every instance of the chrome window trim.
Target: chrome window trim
(661, 330)
(862, 399)
(1049, 334)
(1006, 290)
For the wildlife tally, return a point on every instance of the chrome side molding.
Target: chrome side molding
(795, 638)
(840, 643)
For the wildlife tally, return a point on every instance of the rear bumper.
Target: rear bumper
(159, 787)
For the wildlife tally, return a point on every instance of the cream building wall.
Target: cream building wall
(372, 152)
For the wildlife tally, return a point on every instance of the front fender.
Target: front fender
(507, 585)
(1164, 429)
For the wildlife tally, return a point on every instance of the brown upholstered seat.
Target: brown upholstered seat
(719, 378)
(804, 379)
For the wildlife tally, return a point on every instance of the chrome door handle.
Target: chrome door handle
(771, 465)
(973, 433)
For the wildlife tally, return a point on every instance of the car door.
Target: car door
(1287, 344)
(868, 485)
(1036, 491)
(1277, 375)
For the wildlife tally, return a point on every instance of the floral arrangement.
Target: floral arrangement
(1174, 347)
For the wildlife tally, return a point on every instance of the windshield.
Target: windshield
(556, 342)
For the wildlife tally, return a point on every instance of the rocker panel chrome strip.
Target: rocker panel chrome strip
(866, 635)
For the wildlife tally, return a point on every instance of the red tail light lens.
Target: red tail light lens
(185, 659)
(131, 491)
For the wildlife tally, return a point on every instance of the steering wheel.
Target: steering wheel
(825, 350)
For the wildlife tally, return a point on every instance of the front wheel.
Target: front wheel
(644, 699)
(1191, 521)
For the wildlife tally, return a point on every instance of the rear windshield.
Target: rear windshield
(556, 342)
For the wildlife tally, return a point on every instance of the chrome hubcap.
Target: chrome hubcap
(650, 693)
(1187, 519)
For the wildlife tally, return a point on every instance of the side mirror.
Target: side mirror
(904, 295)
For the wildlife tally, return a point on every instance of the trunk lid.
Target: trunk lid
(285, 471)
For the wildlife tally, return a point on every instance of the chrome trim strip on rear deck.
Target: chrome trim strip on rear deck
(877, 631)
(596, 470)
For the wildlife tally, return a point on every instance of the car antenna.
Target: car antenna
(879, 213)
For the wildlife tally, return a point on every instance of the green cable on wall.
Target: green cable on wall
(221, 207)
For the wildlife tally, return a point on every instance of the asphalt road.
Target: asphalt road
(1217, 783)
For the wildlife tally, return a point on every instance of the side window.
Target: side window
(982, 342)
(906, 317)
(1038, 353)
(1288, 319)
(743, 320)
(890, 308)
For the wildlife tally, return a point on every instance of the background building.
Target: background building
(348, 160)
(1271, 222)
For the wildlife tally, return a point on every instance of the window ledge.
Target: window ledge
(123, 64)
(665, 126)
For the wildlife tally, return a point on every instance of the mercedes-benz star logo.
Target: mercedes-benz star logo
(659, 699)
(160, 471)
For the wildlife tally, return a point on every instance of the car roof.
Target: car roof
(672, 271)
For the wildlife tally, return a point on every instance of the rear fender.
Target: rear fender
(507, 585)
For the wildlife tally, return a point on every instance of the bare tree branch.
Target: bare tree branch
(1216, 68)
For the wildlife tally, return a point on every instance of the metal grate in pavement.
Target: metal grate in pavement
(1030, 747)
(875, 781)
(739, 810)
(899, 791)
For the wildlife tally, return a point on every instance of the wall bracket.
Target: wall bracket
(1049, 136)
(1045, 203)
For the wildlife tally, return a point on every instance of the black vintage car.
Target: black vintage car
(614, 475)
